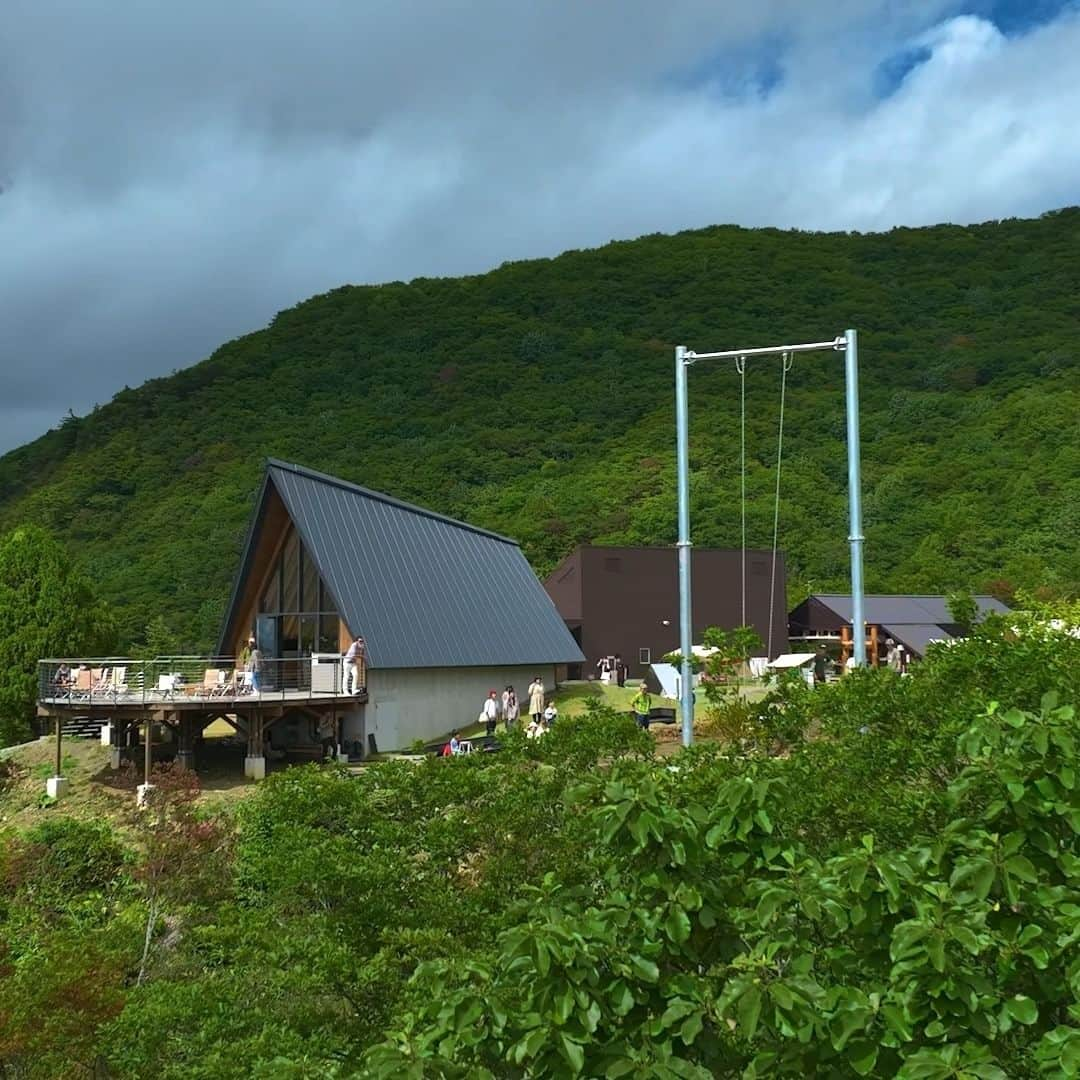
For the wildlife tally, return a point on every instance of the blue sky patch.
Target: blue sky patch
(1015, 17)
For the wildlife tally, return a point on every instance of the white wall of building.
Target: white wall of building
(406, 704)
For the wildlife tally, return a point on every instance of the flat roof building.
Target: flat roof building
(625, 600)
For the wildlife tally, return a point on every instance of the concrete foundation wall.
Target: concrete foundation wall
(422, 703)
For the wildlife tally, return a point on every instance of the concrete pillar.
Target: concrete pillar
(255, 762)
(106, 734)
(117, 735)
(56, 787)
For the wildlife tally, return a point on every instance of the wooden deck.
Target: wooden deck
(156, 702)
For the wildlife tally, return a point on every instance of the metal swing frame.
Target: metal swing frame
(684, 358)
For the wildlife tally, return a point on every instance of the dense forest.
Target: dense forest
(536, 400)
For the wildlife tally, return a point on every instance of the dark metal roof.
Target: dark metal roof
(424, 590)
(896, 610)
(917, 636)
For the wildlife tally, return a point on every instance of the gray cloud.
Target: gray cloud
(175, 174)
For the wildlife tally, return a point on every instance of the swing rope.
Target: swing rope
(740, 367)
(788, 361)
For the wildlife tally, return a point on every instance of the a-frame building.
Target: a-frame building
(448, 611)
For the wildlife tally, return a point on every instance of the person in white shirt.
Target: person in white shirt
(490, 712)
(351, 681)
(511, 709)
(550, 714)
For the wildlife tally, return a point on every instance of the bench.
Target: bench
(659, 715)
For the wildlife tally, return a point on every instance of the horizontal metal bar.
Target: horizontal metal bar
(838, 343)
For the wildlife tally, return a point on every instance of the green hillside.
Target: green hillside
(537, 400)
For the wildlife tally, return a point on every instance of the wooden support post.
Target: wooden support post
(873, 645)
(117, 735)
(845, 646)
(145, 790)
(56, 785)
(185, 744)
(148, 748)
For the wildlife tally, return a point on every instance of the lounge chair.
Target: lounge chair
(166, 686)
(81, 684)
(118, 686)
(210, 685)
(227, 686)
(102, 682)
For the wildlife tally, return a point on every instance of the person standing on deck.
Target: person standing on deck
(536, 699)
(253, 665)
(355, 656)
(511, 708)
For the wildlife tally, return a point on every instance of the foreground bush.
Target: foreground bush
(709, 944)
(895, 894)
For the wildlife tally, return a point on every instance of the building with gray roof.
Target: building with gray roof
(447, 611)
(913, 621)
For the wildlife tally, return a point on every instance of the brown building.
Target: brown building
(625, 600)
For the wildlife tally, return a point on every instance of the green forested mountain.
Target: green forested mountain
(537, 400)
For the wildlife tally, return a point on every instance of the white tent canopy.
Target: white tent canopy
(792, 660)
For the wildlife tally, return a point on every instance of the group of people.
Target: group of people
(612, 669)
(507, 708)
(896, 659)
(353, 667)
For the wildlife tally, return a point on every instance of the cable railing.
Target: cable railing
(71, 682)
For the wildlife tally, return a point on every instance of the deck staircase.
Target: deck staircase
(82, 727)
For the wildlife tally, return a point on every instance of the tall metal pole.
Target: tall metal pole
(855, 538)
(683, 470)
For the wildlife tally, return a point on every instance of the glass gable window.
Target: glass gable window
(294, 595)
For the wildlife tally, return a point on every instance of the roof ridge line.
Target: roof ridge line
(379, 496)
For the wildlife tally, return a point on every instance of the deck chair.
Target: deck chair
(211, 682)
(166, 685)
(102, 680)
(118, 686)
(81, 684)
(229, 682)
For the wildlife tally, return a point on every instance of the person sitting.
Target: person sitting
(536, 728)
(551, 714)
(62, 678)
(454, 745)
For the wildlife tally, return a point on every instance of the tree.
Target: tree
(47, 608)
(963, 610)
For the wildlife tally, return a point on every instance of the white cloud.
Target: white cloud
(179, 173)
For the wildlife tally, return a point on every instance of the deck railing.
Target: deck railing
(103, 681)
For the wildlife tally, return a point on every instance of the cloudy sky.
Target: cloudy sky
(173, 174)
